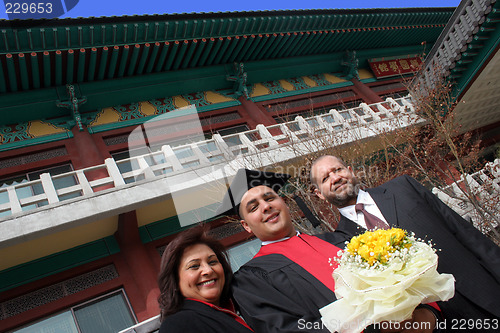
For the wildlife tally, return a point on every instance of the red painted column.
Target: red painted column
(140, 266)
(84, 153)
(83, 149)
(255, 114)
(368, 95)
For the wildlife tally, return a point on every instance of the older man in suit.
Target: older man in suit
(465, 252)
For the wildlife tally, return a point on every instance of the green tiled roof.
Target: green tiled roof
(119, 60)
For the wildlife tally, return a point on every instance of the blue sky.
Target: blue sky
(86, 8)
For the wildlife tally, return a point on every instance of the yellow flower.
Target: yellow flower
(364, 252)
(353, 245)
(378, 245)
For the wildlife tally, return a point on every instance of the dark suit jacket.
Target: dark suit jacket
(198, 317)
(465, 252)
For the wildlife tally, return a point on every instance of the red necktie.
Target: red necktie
(372, 222)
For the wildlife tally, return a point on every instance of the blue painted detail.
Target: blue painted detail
(298, 83)
(35, 141)
(138, 121)
(10, 135)
(132, 112)
(300, 92)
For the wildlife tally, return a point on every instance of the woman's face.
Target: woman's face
(201, 275)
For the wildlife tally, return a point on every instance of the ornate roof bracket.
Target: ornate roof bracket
(73, 104)
(240, 80)
(350, 65)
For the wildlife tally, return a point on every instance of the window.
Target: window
(395, 95)
(346, 115)
(35, 189)
(233, 130)
(240, 254)
(317, 111)
(311, 101)
(59, 183)
(128, 166)
(235, 140)
(108, 314)
(62, 322)
(390, 86)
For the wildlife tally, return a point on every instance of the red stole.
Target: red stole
(309, 252)
(230, 311)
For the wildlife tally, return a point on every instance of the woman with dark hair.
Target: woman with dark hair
(194, 285)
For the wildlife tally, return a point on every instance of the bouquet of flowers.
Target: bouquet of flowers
(383, 275)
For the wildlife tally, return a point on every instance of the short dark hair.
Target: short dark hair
(171, 299)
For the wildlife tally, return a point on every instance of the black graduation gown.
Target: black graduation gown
(198, 317)
(277, 295)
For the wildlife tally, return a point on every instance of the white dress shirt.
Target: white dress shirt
(278, 240)
(370, 206)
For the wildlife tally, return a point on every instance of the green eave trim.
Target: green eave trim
(36, 141)
(163, 116)
(172, 225)
(160, 229)
(29, 35)
(302, 91)
(374, 79)
(370, 80)
(56, 263)
(25, 106)
(489, 46)
(29, 105)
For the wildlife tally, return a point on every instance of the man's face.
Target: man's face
(335, 182)
(265, 214)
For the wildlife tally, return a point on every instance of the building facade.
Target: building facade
(116, 132)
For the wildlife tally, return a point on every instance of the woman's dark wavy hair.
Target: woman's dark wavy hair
(171, 299)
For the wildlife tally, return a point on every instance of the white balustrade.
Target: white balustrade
(302, 131)
(15, 206)
(455, 38)
(484, 185)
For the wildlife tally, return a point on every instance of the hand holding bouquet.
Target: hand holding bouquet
(383, 275)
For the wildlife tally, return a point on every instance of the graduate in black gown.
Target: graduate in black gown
(194, 287)
(283, 287)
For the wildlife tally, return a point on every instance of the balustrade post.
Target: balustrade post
(407, 104)
(84, 183)
(15, 205)
(246, 142)
(289, 133)
(199, 154)
(114, 172)
(265, 134)
(303, 124)
(145, 168)
(48, 188)
(223, 146)
(495, 168)
(169, 154)
(395, 107)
